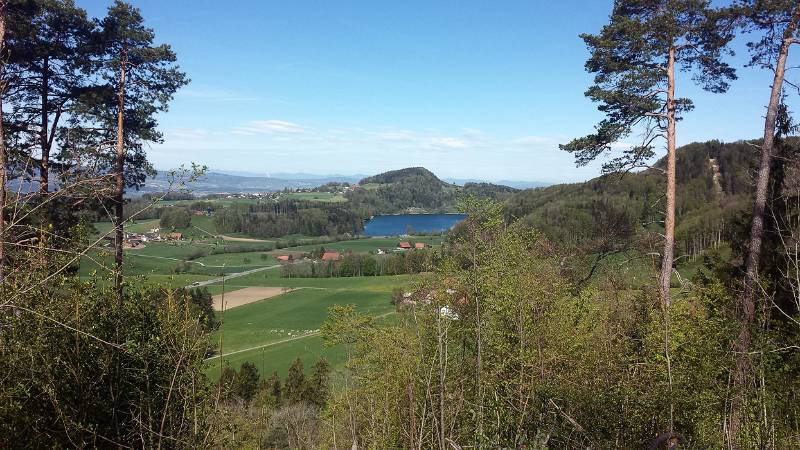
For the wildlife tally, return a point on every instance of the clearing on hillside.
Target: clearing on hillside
(245, 296)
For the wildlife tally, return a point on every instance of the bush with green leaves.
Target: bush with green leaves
(503, 351)
(80, 368)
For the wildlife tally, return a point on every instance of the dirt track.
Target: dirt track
(245, 296)
(240, 239)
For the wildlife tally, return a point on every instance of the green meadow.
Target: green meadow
(273, 332)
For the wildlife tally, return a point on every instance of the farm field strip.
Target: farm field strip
(199, 262)
(233, 275)
(283, 341)
(245, 296)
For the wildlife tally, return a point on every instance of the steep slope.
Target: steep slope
(712, 195)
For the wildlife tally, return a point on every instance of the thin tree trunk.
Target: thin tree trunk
(119, 180)
(669, 225)
(669, 216)
(3, 6)
(44, 164)
(748, 294)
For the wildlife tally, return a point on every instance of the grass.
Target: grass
(368, 244)
(315, 196)
(269, 323)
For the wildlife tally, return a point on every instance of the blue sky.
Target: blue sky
(468, 89)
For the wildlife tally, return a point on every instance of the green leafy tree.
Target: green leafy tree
(204, 302)
(175, 217)
(635, 58)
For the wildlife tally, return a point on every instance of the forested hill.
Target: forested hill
(410, 174)
(416, 190)
(714, 186)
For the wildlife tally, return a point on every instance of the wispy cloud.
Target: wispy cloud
(450, 143)
(187, 133)
(534, 140)
(258, 127)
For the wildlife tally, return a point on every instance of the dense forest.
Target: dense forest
(714, 190)
(288, 217)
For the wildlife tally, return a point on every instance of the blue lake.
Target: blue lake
(404, 223)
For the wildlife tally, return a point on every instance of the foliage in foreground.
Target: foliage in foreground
(499, 350)
(80, 369)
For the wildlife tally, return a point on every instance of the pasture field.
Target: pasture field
(273, 332)
(139, 226)
(281, 326)
(329, 197)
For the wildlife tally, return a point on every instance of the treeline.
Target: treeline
(364, 265)
(275, 413)
(175, 217)
(288, 217)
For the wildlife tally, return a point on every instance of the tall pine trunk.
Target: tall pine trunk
(748, 294)
(44, 164)
(119, 180)
(3, 7)
(669, 216)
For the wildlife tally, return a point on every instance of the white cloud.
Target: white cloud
(257, 127)
(449, 143)
(396, 136)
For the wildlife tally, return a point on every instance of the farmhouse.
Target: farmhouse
(282, 258)
(331, 256)
(404, 246)
(419, 245)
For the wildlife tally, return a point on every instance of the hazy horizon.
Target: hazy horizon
(467, 89)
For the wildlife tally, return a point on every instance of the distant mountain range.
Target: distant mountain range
(216, 182)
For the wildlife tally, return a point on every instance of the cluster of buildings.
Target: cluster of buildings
(136, 240)
(403, 246)
(336, 256)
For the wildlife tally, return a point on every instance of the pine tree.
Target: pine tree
(48, 65)
(634, 59)
(778, 25)
(246, 384)
(295, 382)
(273, 390)
(139, 80)
(3, 149)
(316, 391)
